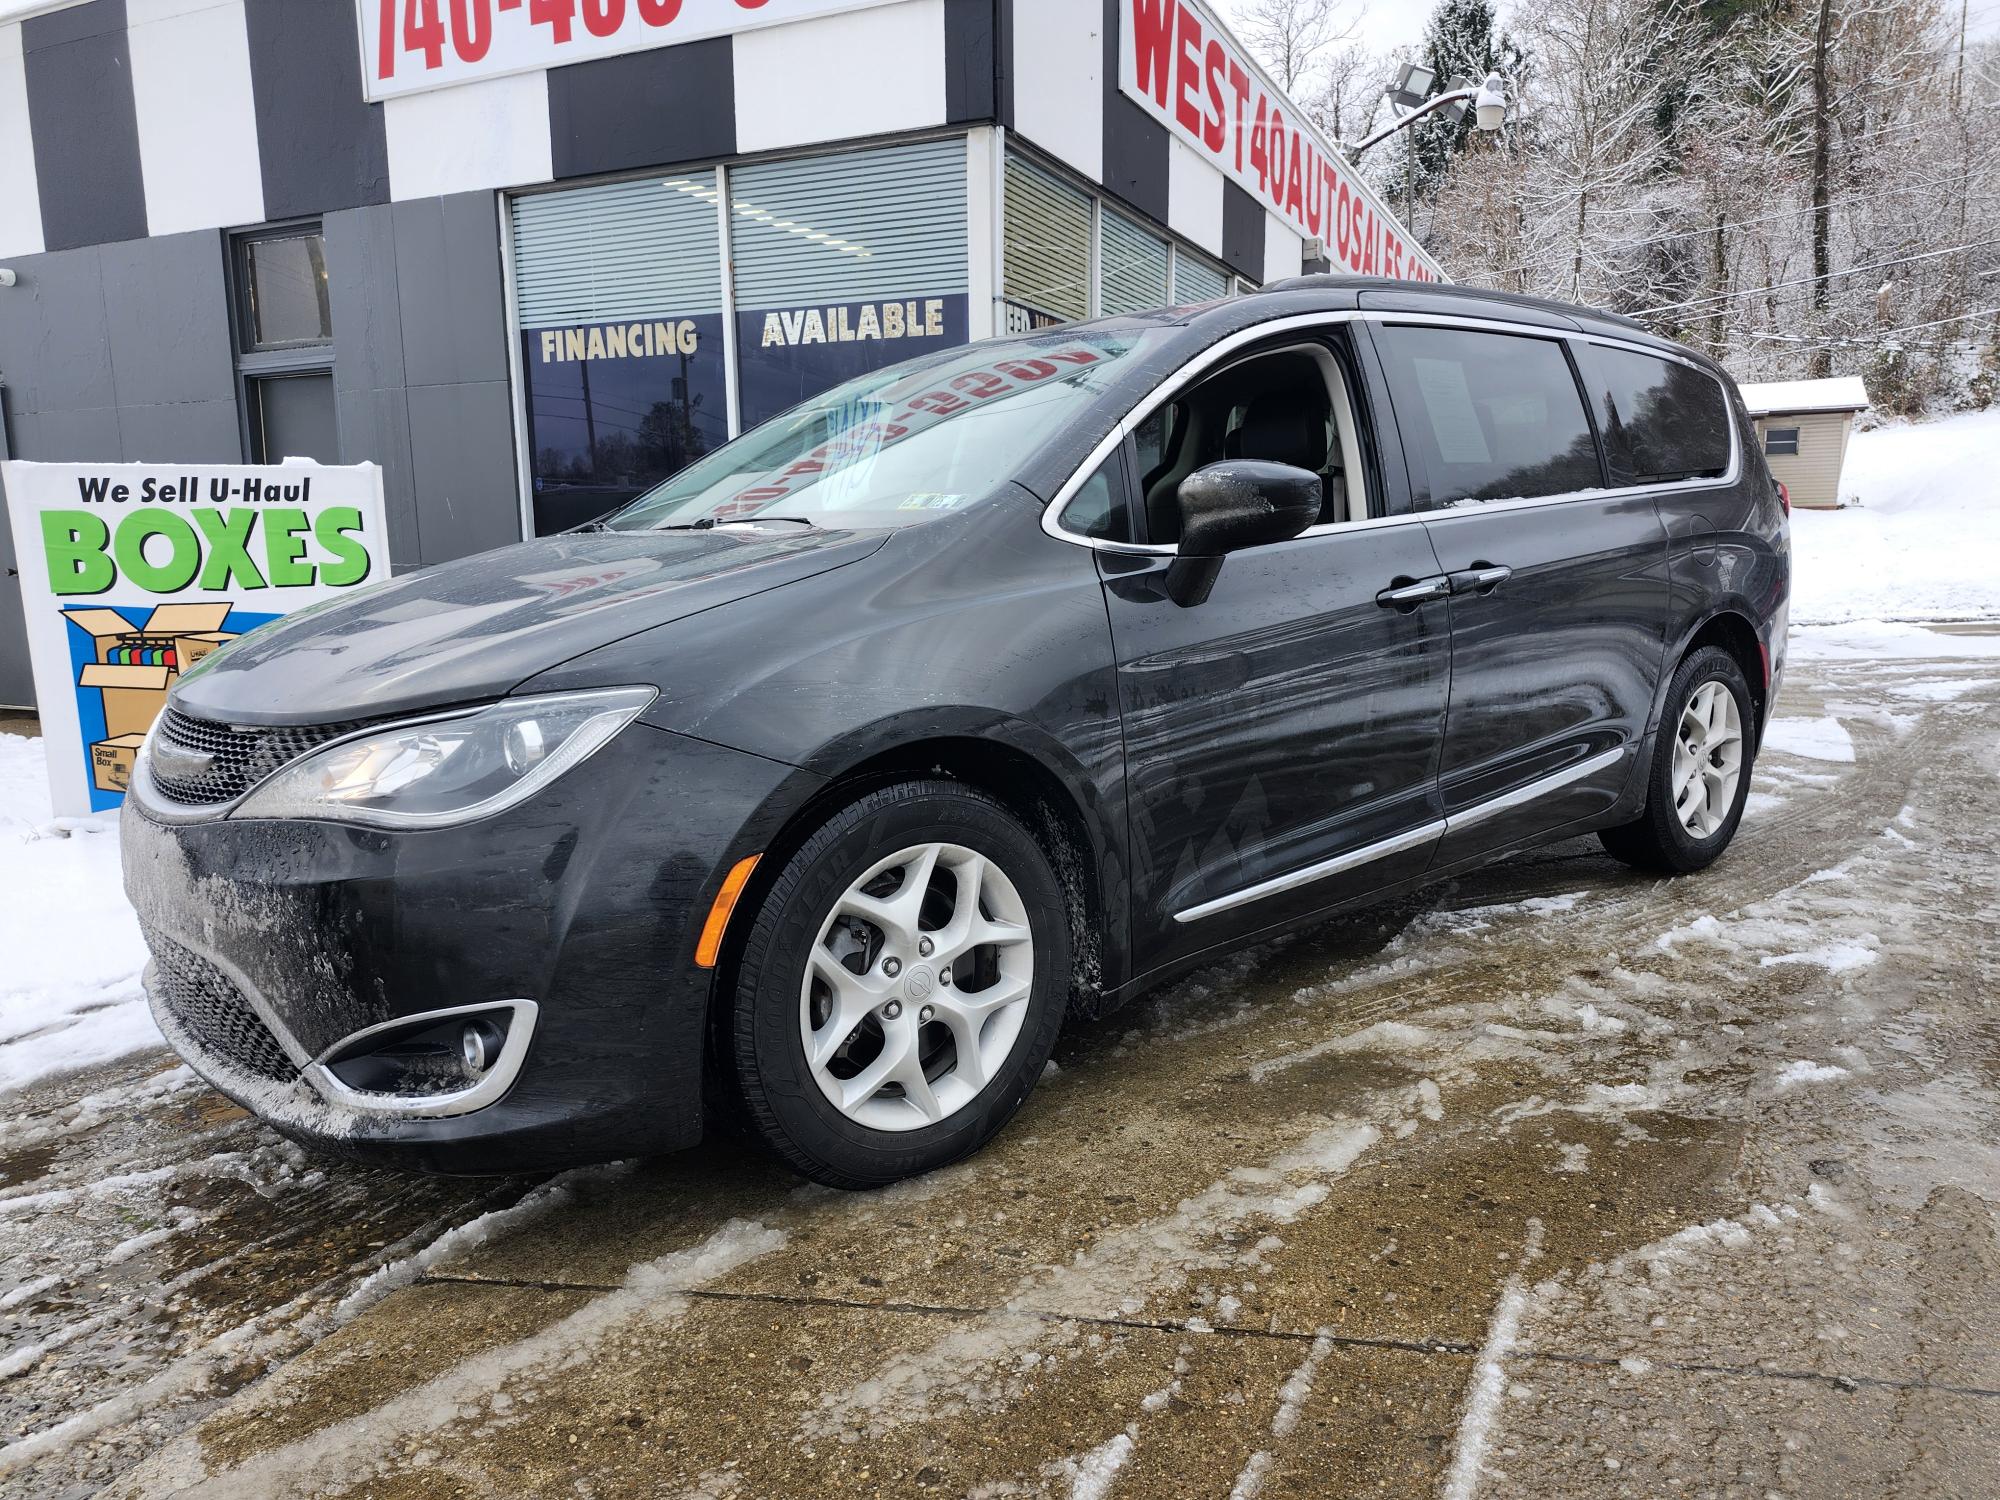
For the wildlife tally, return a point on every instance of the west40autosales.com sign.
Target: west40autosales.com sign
(1181, 67)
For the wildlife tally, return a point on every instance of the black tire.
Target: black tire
(782, 1098)
(1655, 840)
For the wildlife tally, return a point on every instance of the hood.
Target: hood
(474, 629)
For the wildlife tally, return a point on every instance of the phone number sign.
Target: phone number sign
(408, 46)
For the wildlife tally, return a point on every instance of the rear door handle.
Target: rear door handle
(1482, 578)
(1407, 596)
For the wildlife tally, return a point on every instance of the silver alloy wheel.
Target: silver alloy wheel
(917, 987)
(1708, 759)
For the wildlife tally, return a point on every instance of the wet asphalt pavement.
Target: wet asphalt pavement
(1554, 1181)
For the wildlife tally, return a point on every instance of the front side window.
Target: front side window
(1781, 442)
(901, 445)
(1488, 416)
(1286, 406)
(1662, 420)
(1100, 510)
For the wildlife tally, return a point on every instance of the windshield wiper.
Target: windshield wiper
(709, 523)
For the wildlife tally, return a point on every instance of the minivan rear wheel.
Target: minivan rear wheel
(1700, 776)
(902, 985)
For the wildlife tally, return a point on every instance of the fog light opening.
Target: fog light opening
(436, 1062)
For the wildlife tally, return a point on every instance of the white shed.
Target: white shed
(1804, 426)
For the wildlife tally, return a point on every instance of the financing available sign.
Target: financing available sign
(1180, 65)
(132, 574)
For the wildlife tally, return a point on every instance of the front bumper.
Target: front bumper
(273, 941)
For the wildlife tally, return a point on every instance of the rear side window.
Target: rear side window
(1662, 420)
(1487, 416)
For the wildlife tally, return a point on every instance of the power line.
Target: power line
(1800, 212)
(1876, 337)
(1758, 291)
(1805, 209)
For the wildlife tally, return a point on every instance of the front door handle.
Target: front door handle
(1480, 578)
(1405, 595)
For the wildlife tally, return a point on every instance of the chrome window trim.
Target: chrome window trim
(497, 1080)
(1479, 813)
(1220, 351)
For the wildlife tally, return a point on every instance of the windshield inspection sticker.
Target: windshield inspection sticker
(931, 500)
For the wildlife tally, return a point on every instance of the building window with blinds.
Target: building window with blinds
(845, 264)
(1052, 276)
(619, 290)
(1196, 280)
(1132, 267)
(1045, 242)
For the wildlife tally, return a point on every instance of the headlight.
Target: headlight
(452, 770)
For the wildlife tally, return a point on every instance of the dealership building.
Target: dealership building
(532, 256)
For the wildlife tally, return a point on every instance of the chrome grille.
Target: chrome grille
(239, 757)
(213, 1012)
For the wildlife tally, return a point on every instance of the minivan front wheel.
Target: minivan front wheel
(1700, 776)
(902, 985)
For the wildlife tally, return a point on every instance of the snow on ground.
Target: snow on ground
(1921, 541)
(1815, 739)
(69, 983)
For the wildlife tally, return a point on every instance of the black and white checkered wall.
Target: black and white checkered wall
(121, 119)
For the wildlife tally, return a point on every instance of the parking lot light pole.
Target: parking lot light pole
(1488, 101)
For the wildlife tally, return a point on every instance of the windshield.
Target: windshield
(897, 445)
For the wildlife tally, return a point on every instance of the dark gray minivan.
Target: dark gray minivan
(834, 773)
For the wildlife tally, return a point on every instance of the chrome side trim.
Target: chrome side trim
(497, 1080)
(1348, 861)
(1428, 832)
(1521, 795)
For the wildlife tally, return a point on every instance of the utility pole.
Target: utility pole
(1958, 81)
(1820, 363)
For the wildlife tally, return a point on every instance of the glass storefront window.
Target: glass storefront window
(620, 296)
(1197, 281)
(845, 264)
(1045, 232)
(1132, 270)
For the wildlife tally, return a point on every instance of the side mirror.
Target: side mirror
(1229, 506)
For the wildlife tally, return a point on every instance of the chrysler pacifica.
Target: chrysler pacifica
(829, 777)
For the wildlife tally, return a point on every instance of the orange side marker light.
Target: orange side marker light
(710, 947)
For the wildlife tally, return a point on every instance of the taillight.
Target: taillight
(1784, 496)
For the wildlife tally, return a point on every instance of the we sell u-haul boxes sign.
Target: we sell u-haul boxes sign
(133, 574)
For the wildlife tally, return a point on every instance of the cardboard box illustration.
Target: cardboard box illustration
(111, 762)
(134, 667)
